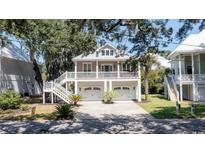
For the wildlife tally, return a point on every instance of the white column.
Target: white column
(44, 98)
(75, 69)
(139, 83)
(193, 82)
(138, 90)
(199, 64)
(97, 69)
(110, 85)
(52, 98)
(118, 69)
(180, 78)
(76, 87)
(192, 65)
(105, 86)
(139, 71)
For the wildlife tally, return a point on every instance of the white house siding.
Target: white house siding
(202, 63)
(19, 76)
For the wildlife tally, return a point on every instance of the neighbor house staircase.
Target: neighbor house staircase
(171, 88)
(56, 87)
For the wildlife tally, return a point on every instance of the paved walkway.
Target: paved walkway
(134, 121)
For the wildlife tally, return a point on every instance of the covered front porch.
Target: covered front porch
(188, 69)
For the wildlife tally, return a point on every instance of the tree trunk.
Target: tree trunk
(146, 82)
(37, 71)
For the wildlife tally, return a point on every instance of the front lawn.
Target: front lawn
(161, 108)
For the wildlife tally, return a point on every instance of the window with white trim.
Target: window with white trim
(103, 52)
(126, 67)
(111, 52)
(107, 52)
(87, 67)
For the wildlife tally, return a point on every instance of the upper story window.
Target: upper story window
(107, 52)
(111, 52)
(103, 52)
(126, 67)
(87, 67)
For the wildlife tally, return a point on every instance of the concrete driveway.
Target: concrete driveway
(97, 109)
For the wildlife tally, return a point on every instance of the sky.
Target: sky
(171, 23)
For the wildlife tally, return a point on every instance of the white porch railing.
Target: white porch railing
(48, 86)
(189, 77)
(95, 75)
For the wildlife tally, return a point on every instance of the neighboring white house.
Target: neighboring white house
(98, 72)
(188, 69)
(16, 72)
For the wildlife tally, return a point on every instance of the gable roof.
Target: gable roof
(93, 56)
(14, 52)
(193, 43)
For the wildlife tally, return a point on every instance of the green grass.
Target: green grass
(161, 108)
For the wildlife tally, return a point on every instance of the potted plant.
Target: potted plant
(75, 98)
(108, 96)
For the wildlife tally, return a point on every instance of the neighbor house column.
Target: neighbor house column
(180, 78)
(118, 69)
(199, 64)
(138, 88)
(193, 82)
(97, 69)
(76, 87)
(192, 65)
(75, 69)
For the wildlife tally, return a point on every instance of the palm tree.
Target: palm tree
(148, 61)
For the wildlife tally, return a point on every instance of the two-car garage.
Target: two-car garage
(95, 91)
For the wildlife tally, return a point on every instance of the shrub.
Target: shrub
(64, 111)
(75, 98)
(108, 96)
(10, 100)
(24, 107)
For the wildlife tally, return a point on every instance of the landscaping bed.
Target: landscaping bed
(161, 108)
(42, 112)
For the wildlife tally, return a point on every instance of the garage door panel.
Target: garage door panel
(91, 93)
(124, 93)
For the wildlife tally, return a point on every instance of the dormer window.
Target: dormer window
(107, 52)
(103, 52)
(111, 52)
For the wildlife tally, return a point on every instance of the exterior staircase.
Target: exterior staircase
(56, 87)
(171, 88)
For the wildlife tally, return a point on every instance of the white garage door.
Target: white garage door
(125, 92)
(91, 93)
(201, 93)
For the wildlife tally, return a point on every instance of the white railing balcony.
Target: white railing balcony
(189, 77)
(48, 86)
(97, 75)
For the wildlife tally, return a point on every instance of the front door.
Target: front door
(107, 69)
